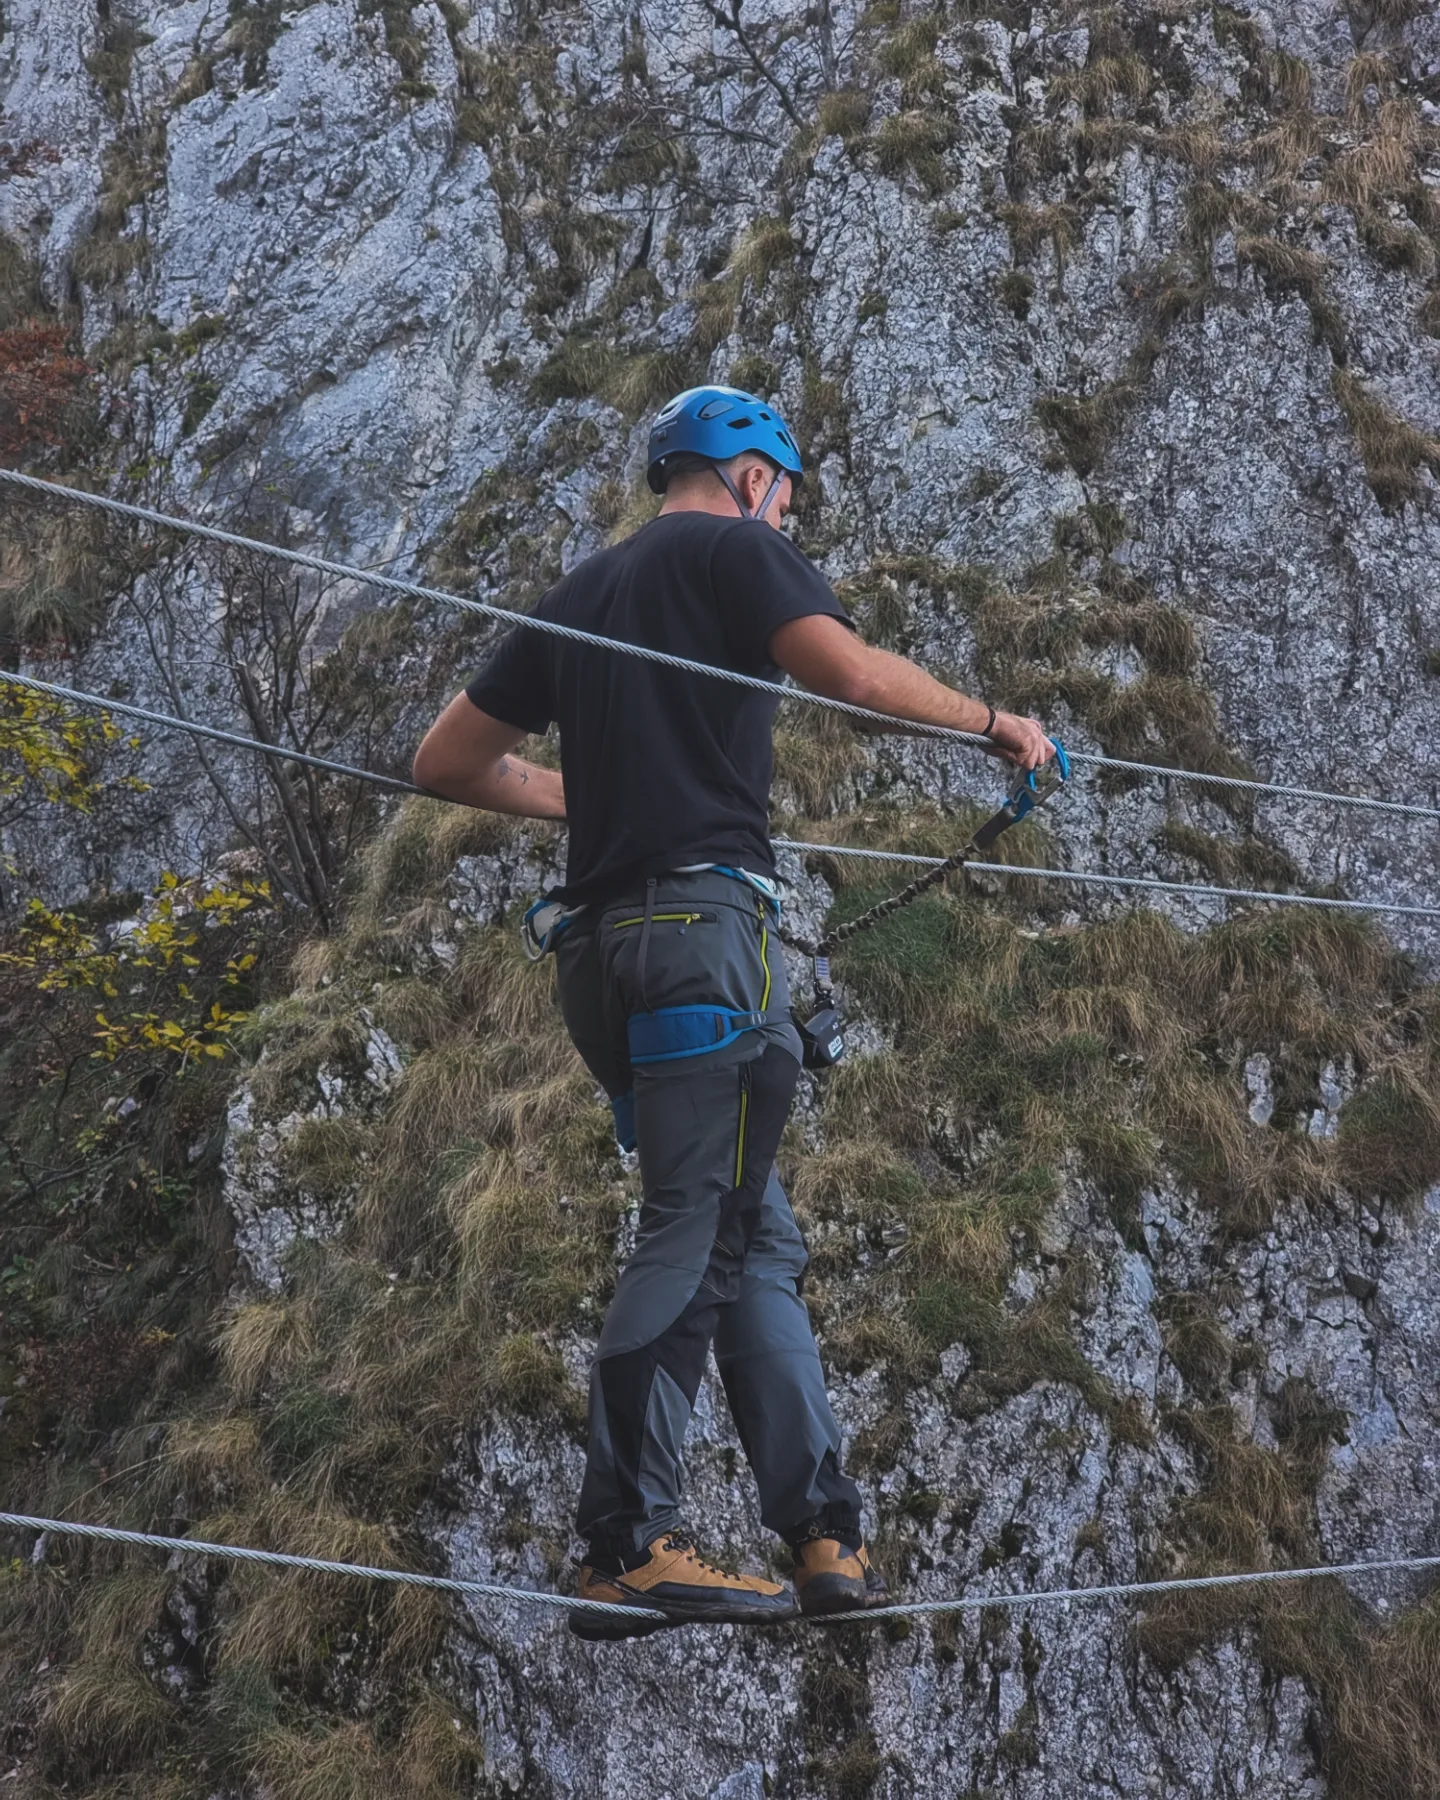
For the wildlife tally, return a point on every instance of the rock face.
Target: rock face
(1120, 290)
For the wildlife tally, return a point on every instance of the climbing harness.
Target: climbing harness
(673, 1033)
(822, 1035)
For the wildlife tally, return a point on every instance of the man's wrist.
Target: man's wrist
(989, 725)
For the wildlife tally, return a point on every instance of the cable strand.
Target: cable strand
(394, 783)
(906, 1609)
(391, 584)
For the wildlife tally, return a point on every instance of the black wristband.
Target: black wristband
(989, 723)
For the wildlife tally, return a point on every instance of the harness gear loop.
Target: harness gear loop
(542, 926)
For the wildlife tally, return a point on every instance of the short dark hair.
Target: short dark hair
(687, 462)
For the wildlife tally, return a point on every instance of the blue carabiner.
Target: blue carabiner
(1026, 793)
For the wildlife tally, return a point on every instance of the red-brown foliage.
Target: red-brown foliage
(41, 379)
(25, 158)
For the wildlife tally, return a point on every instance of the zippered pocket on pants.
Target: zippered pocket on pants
(665, 918)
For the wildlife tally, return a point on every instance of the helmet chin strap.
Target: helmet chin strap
(764, 506)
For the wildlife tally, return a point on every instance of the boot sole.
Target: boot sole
(681, 1613)
(599, 1628)
(827, 1594)
(605, 1628)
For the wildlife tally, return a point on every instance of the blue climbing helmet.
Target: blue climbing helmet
(718, 423)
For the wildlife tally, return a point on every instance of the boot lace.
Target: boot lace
(683, 1542)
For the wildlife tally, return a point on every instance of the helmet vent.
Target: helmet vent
(713, 409)
(739, 424)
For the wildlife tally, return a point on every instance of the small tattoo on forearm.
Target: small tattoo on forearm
(503, 768)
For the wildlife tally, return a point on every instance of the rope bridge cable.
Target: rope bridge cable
(1119, 1590)
(1098, 878)
(394, 783)
(212, 733)
(391, 584)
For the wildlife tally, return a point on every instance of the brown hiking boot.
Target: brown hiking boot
(608, 1628)
(676, 1580)
(832, 1576)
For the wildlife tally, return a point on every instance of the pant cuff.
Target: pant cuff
(837, 1520)
(621, 1547)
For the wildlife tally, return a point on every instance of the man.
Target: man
(672, 984)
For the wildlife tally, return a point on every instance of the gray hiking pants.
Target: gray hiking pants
(718, 1256)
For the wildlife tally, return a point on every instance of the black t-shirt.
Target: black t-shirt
(662, 768)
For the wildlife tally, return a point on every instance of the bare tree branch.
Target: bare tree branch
(730, 21)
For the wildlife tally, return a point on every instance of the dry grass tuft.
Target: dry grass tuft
(56, 575)
(1103, 82)
(1199, 146)
(530, 1376)
(1389, 1142)
(1396, 245)
(817, 757)
(843, 113)
(196, 78)
(639, 382)
(106, 1716)
(419, 848)
(265, 1341)
(435, 1757)
(910, 47)
(1384, 165)
(1197, 1343)
(282, 1627)
(915, 141)
(1085, 425)
(1379, 1686)
(215, 1458)
(1031, 226)
(1393, 450)
(1289, 265)
(1370, 69)
(497, 985)
(766, 245)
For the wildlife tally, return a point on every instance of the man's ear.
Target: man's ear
(755, 483)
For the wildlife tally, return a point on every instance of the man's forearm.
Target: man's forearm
(510, 785)
(893, 685)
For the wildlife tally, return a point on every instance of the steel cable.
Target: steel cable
(391, 584)
(393, 782)
(1119, 1590)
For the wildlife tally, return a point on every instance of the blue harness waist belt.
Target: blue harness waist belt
(677, 1031)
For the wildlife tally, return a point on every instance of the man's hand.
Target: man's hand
(1021, 741)
(823, 654)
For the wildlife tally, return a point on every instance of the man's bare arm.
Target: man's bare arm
(466, 756)
(826, 656)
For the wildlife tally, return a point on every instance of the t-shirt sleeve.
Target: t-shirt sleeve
(514, 685)
(762, 582)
